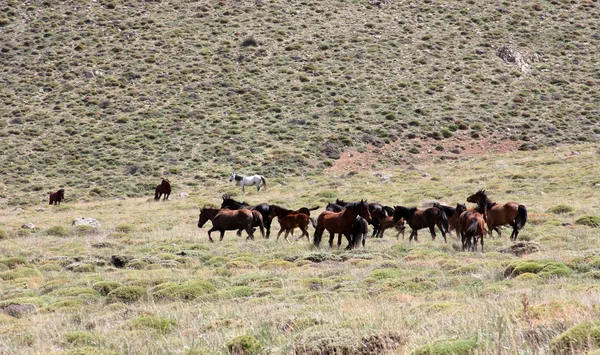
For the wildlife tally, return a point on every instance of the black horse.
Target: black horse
(56, 197)
(163, 189)
(263, 208)
(418, 219)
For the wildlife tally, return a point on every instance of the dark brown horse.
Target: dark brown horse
(451, 214)
(470, 227)
(360, 231)
(263, 208)
(418, 219)
(386, 222)
(225, 219)
(56, 197)
(163, 188)
(373, 206)
(340, 222)
(288, 220)
(497, 215)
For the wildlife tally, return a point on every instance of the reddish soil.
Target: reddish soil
(459, 146)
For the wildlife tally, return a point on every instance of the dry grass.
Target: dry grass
(417, 297)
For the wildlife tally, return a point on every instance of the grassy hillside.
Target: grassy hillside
(104, 97)
(62, 292)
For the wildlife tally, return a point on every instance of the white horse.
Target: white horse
(248, 181)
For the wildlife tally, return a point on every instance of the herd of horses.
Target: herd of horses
(351, 219)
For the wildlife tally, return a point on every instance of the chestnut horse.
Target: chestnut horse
(497, 215)
(340, 222)
(263, 208)
(288, 220)
(386, 222)
(418, 219)
(471, 226)
(226, 219)
(56, 197)
(451, 214)
(163, 188)
(373, 206)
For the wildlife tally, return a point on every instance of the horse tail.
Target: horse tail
(156, 194)
(262, 178)
(445, 223)
(521, 218)
(472, 228)
(312, 221)
(314, 208)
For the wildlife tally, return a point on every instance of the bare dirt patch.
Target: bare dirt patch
(459, 146)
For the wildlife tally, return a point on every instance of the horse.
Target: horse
(471, 226)
(386, 222)
(248, 181)
(163, 188)
(56, 197)
(360, 231)
(451, 213)
(418, 219)
(225, 219)
(340, 222)
(305, 210)
(334, 207)
(288, 220)
(497, 215)
(263, 208)
(372, 207)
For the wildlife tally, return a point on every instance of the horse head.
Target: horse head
(460, 208)
(232, 176)
(364, 210)
(400, 212)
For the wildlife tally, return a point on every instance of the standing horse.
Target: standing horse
(248, 181)
(340, 222)
(263, 208)
(163, 188)
(360, 231)
(305, 210)
(386, 222)
(451, 213)
(470, 227)
(224, 220)
(56, 197)
(418, 219)
(373, 206)
(497, 215)
(288, 221)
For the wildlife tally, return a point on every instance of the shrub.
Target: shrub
(540, 267)
(244, 345)
(162, 325)
(381, 274)
(125, 228)
(187, 291)
(80, 338)
(560, 209)
(126, 294)
(57, 231)
(577, 338)
(105, 287)
(3, 234)
(447, 347)
(590, 221)
(239, 291)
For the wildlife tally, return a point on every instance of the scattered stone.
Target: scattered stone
(18, 210)
(521, 248)
(28, 226)
(183, 194)
(18, 310)
(86, 221)
(101, 245)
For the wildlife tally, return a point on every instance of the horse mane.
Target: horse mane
(448, 210)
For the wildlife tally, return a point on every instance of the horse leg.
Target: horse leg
(285, 236)
(279, 233)
(209, 237)
(481, 242)
(243, 192)
(331, 236)
(222, 235)
(441, 227)
(432, 231)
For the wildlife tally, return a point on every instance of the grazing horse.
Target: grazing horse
(248, 181)
(470, 227)
(418, 219)
(497, 215)
(288, 221)
(386, 222)
(340, 222)
(163, 188)
(451, 213)
(263, 208)
(224, 219)
(56, 197)
(360, 231)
